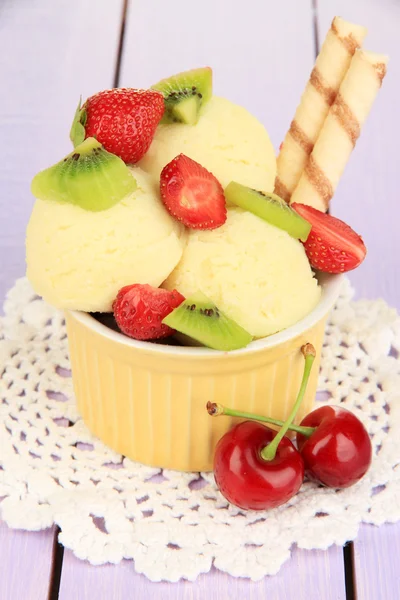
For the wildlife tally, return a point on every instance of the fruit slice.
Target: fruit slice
(140, 308)
(332, 246)
(185, 94)
(89, 177)
(192, 194)
(269, 207)
(199, 318)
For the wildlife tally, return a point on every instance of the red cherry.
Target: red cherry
(338, 453)
(248, 480)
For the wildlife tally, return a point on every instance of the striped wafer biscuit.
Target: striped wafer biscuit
(333, 61)
(340, 130)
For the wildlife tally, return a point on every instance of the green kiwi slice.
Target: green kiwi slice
(270, 207)
(185, 94)
(89, 177)
(199, 318)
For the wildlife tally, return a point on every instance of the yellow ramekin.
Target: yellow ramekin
(148, 401)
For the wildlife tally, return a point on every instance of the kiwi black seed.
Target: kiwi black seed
(185, 94)
(199, 319)
(270, 208)
(89, 177)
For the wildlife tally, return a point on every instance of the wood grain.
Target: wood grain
(25, 564)
(377, 562)
(306, 575)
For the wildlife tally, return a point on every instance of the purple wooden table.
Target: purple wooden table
(262, 53)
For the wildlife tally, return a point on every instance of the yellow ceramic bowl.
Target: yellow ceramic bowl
(147, 401)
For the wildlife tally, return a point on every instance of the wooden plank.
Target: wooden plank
(25, 563)
(313, 575)
(52, 53)
(367, 196)
(261, 56)
(377, 562)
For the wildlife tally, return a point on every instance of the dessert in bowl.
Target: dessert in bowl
(147, 401)
(214, 280)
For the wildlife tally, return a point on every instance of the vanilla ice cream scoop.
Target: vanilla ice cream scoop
(227, 140)
(254, 272)
(79, 259)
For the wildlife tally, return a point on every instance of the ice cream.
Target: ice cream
(202, 219)
(78, 259)
(255, 273)
(227, 140)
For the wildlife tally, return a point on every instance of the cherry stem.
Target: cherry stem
(269, 452)
(216, 410)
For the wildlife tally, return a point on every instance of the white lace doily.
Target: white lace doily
(174, 525)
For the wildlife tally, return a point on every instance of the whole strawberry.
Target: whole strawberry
(123, 120)
(140, 308)
(332, 246)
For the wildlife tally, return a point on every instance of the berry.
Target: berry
(332, 246)
(140, 308)
(192, 194)
(249, 481)
(338, 453)
(123, 120)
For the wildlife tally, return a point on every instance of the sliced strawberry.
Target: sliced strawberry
(332, 246)
(192, 194)
(140, 308)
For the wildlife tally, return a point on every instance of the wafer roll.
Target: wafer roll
(341, 130)
(333, 61)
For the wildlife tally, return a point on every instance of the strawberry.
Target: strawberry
(140, 308)
(332, 246)
(192, 194)
(123, 120)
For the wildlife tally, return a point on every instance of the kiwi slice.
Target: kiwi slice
(185, 94)
(89, 177)
(199, 318)
(269, 207)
